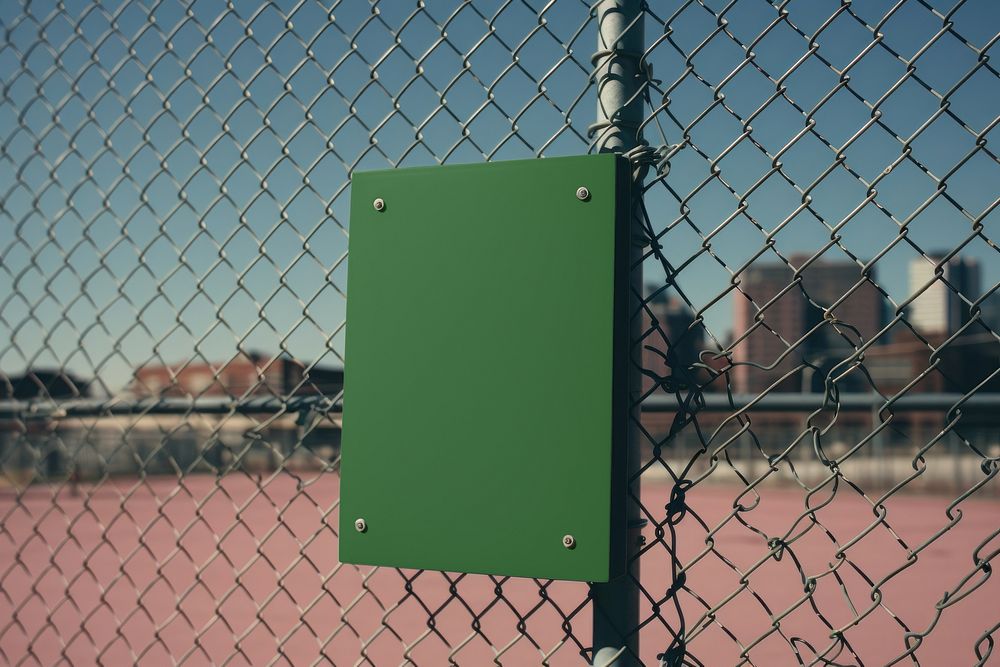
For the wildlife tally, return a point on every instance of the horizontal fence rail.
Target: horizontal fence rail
(712, 402)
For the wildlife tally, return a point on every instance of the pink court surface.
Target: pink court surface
(213, 571)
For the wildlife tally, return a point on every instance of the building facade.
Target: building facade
(791, 329)
(939, 309)
(245, 375)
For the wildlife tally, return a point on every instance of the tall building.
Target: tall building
(934, 359)
(793, 329)
(675, 357)
(991, 312)
(782, 322)
(939, 308)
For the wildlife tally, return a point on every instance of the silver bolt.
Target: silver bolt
(582, 193)
(569, 541)
(379, 204)
(360, 525)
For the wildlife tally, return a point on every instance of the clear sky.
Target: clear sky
(174, 176)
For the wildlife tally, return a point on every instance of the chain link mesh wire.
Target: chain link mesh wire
(817, 189)
(174, 273)
(815, 176)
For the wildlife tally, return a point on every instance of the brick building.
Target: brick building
(965, 363)
(673, 346)
(251, 374)
(790, 313)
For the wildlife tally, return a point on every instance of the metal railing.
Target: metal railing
(815, 319)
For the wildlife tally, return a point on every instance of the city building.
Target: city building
(44, 384)
(784, 338)
(990, 312)
(671, 350)
(965, 363)
(940, 309)
(250, 374)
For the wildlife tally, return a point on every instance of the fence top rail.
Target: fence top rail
(61, 409)
(855, 401)
(217, 405)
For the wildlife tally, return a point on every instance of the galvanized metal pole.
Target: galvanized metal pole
(620, 44)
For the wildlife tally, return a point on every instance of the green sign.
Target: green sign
(485, 394)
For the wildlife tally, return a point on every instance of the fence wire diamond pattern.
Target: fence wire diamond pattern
(816, 323)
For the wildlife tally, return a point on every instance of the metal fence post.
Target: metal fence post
(620, 44)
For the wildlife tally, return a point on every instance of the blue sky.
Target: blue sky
(140, 224)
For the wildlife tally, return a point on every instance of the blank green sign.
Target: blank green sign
(483, 420)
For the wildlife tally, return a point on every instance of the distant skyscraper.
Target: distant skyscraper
(789, 314)
(782, 320)
(991, 312)
(939, 309)
(676, 356)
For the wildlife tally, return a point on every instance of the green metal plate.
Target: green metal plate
(484, 409)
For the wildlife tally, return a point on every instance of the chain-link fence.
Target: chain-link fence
(816, 318)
